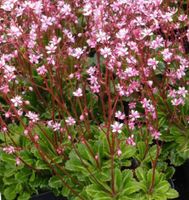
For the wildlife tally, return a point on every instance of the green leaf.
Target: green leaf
(7, 158)
(9, 170)
(140, 173)
(128, 151)
(103, 175)
(172, 194)
(24, 196)
(170, 172)
(19, 188)
(32, 177)
(27, 157)
(102, 196)
(85, 154)
(159, 196)
(65, 191)
(149, 177)
(9, 180)
(143, 186)
(151, 155)
(75, 165)
(162, 187)
(41, 165)
(22, 175)
(93, 190)
(55, 182)
(127, 176)
(175, 158)
(118, 179)
(141, 146)
(130, 188)
(10, 192)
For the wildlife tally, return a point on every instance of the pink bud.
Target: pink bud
(36, 137)
(30, 88)
(7, 114)
(4, 129)
(27, 102)
(119, 152)
(81, 117)
(18, 161)
(26, 132)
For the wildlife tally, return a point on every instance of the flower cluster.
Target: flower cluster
(74, 66)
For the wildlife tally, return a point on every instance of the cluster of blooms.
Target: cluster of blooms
(50, 38)
(9, 149)
(178, 97)
(149, 108)
(93, 79)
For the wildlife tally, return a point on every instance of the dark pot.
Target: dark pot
(47, 196)
(181, 181)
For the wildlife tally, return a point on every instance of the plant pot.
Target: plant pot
(181, 181)
(47, 196)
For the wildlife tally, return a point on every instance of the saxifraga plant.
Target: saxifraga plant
(98, 88)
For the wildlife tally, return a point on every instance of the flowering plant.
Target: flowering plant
(100, 89)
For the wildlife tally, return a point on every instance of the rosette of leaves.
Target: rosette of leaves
(30, 176)
(131, 181)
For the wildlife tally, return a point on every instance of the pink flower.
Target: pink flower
(56, 126)
(78, 93)
(120, 115)
(122, 33)
(106, 51)
(134, 115)
(41, 70)
(182, 17)
(182, 91)
(152, 62)
(5, 89)
(120, 90)
(158, 42)
(77, 52)
(70, 121)
(87, 9)
(65, 9)
(117, 127)
(32, 116)
(15, 31)
(17, 101)
(46, 22)
(8, 5)
(34, 58)
(132, 105)
(9, 149)
(176, 102)
(51, 48)
(91, 70)
(102, 36)
(131, 124)
(95, 88)
(130, 140)
(167, 55)
(155, 134)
